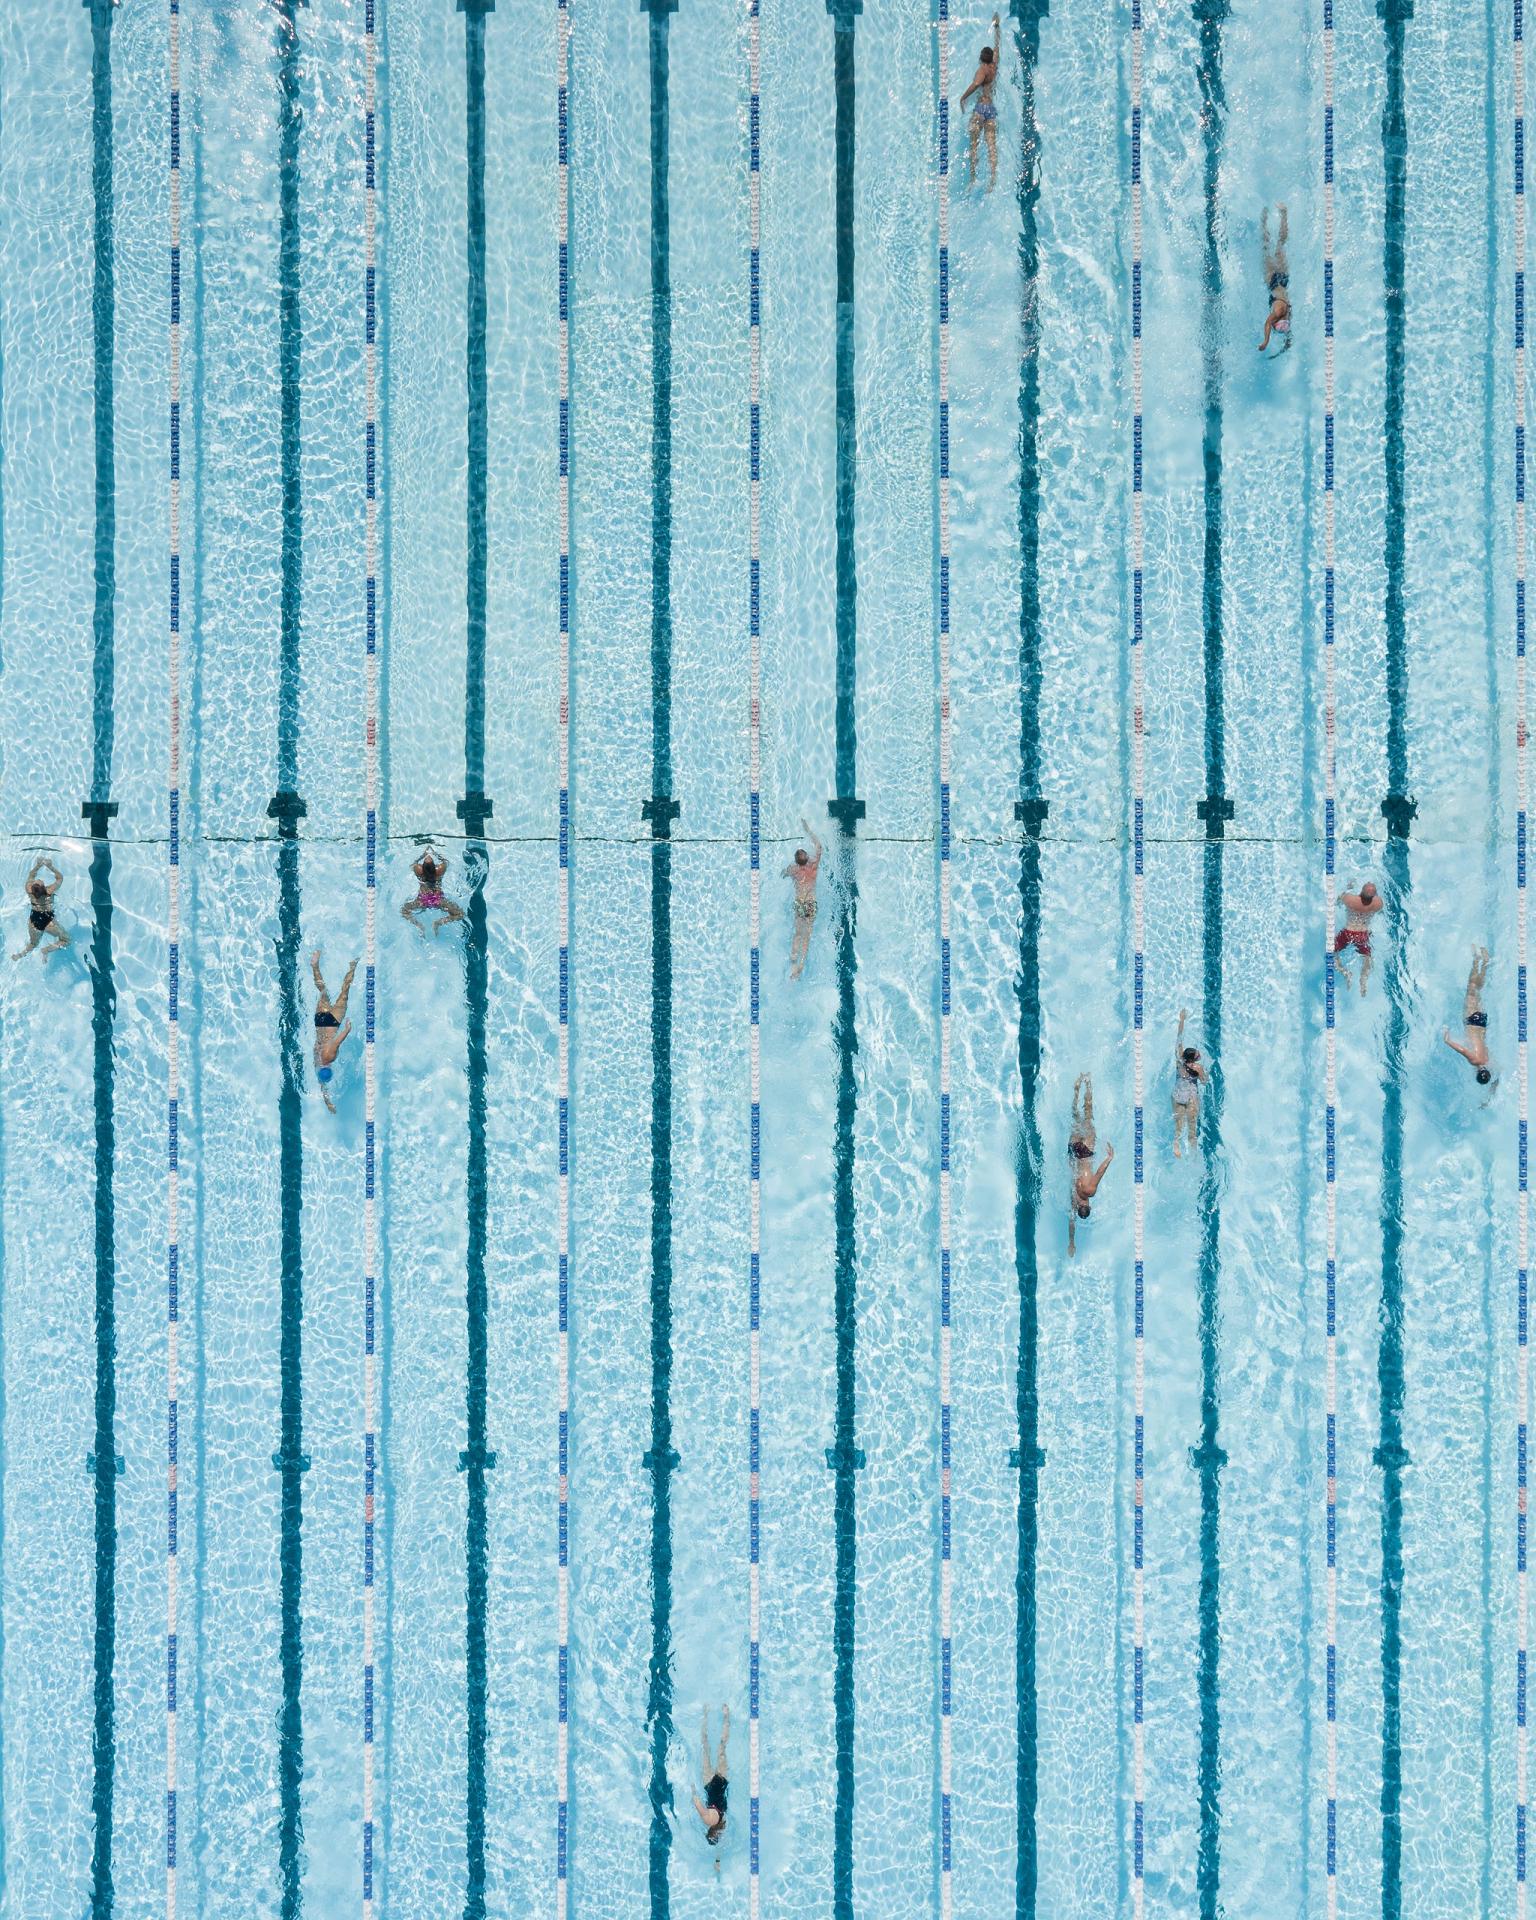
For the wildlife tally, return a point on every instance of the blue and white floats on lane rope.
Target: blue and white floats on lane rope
(173, 974)
(563, 924)
(1330, 1037)
(1138, 943)
(370, 929)
(371, 922)
(946, 1565)
(755, 935)
(1522, 1204)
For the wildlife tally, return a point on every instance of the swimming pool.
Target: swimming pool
(601, 436)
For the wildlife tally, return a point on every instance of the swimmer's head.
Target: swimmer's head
(1082, 1209)
(801, 856)
(714, 1833)
(1367, 893)
(323, 1075)
(1483, 1076)
(1191, 1055)
(1082, 1150)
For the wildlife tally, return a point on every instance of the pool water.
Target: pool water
(939, 1681)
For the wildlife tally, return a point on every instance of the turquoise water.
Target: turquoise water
(1457, 1614)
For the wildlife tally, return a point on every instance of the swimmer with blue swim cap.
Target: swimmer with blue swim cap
(331, 1027)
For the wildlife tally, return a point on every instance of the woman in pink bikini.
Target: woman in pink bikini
(430, 898)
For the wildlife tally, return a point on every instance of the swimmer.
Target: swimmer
(803, 870)
(331, 1026)
(1359, 909)
(711, 1809)
(430, 898)
(1085, 1181)
(1189, 1075)
(1474, 1049)
(41, 918)
(984, 119)
(1277, 279)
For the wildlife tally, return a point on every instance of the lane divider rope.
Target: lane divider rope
(1522, 1215)
(1330, 983)
(173, 977)
(946, 1567)
(1138, 923)
(563, 921)
(370, 932)
(755, 933)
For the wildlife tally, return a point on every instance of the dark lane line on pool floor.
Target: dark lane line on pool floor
(1030, 810)
(845, 1457)
(1399, 809)
(99, 810)
(1215, 810)
(660, 810)
(288, 809)
(474, 810)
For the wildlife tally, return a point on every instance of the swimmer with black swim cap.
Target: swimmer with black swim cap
(1085, 1179)
(1474, 1048)
(711, 1809)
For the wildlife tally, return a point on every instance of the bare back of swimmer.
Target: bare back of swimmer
(1080, 1148)
(1473, 1048)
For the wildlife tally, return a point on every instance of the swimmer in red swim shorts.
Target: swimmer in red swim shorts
(1359, 910)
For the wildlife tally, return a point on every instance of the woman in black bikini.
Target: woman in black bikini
(711, 1809)
(331, 1026)
(40, 917)
(1277, 278)
(1474, 1049)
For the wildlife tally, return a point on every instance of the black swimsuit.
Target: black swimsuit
(325, 1019)
(41, 918)
(714, 1794)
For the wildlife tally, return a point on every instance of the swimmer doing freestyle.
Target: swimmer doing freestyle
(1080, 1146)
(984, 118)
(1277, 279)
(331, 1027)
(1474, 1048)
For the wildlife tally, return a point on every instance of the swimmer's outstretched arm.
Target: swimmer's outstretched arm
(1456, 1047)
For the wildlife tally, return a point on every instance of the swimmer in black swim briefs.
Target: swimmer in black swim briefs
(331, 1026)
(1474, 1048)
